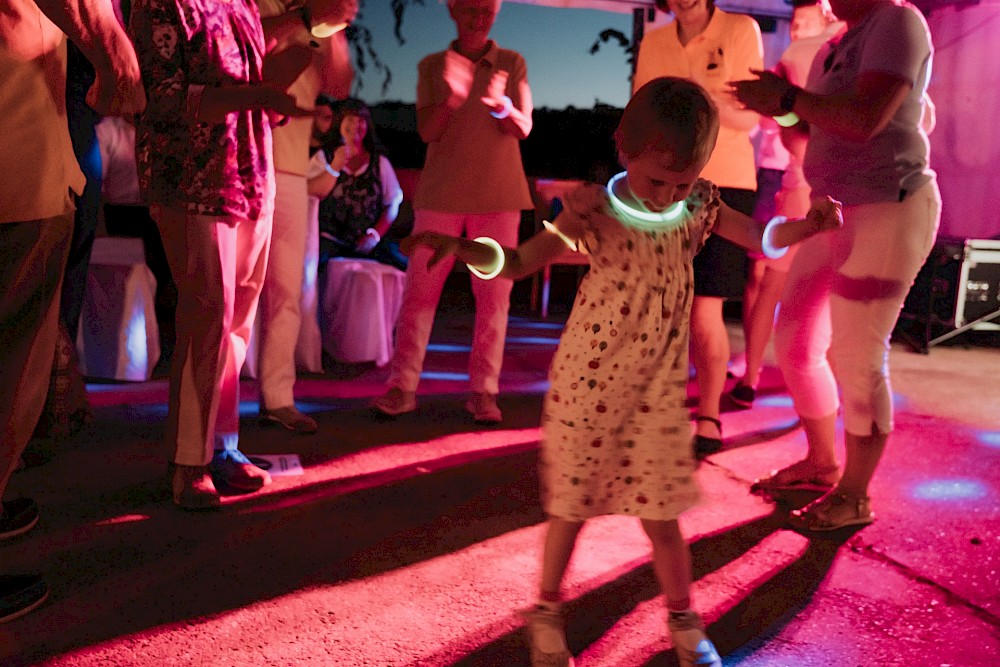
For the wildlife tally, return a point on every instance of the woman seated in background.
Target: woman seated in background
(359, 192)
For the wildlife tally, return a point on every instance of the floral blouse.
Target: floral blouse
(222, 168)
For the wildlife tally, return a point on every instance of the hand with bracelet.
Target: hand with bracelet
(367, 241)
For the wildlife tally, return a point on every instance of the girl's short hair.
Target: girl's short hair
(671, 114)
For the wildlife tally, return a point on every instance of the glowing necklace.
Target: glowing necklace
(646, 220)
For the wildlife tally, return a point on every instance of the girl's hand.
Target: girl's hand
(826, 214)
(442, 245)
(339, 160)
(366, 243)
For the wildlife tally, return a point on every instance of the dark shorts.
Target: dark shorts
(720, 268)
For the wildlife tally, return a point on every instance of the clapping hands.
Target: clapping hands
(458, 75)
(762, 94)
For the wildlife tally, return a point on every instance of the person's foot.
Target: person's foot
(802, 475)
(484, 409)
(290, 418)
(20, 594)
(743, 395)
(231, 467)
(708, 436)
(192, 487)
(693, 647)
(833, 511)
(17, 517)
(546, 634)
(395, 402)
(737, 367)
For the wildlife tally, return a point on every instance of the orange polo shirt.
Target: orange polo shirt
(727, 50)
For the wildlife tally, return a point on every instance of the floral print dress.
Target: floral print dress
(617, 437)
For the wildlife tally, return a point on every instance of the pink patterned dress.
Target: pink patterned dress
(617, 437)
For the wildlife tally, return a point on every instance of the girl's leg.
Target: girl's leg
(760, 323)
(545, 621)
(560, 539)
(710, 353)
(672, 564)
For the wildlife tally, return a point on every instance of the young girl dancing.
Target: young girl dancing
(617, 437)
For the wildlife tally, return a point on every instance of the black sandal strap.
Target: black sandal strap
(703, 418)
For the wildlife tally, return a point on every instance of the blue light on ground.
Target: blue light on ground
(444, 347)
(950, 489)
(436, 375)
(778, 401)
(990, 438)
(532, 340)
(529, 324)
(247, 408)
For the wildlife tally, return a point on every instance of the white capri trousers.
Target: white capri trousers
(423, 291)
(841, 301)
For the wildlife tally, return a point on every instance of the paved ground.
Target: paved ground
(411, 542)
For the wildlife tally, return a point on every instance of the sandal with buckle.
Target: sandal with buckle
(704, 445)
(833, 511)
(800, 476)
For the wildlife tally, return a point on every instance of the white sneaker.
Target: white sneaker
(694, 648)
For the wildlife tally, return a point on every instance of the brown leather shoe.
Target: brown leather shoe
(192, 488)
(484, 409)
(290, 418)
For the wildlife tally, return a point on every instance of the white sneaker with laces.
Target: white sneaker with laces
(694, 648)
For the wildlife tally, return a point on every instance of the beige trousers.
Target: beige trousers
(32, 260)
(218, 265)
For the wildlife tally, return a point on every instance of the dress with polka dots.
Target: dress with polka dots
(617, 437)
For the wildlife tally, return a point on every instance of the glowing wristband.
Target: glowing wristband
(371, 231)
(567, 240)
(333, 172)
(507, 106)
(500, 260)
(787, 120)
(766, 244)
(642, 219)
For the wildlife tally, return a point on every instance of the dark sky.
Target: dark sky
(555, 43)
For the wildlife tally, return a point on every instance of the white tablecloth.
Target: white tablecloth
(361, 301)
(118, 338)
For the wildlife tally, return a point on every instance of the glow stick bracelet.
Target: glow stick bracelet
(499, 262)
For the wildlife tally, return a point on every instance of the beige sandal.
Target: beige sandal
(800, 476)
(833, 511)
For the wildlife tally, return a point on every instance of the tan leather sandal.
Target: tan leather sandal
(800, 476)
(833, 511)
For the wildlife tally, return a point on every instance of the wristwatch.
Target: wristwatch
(788, 98)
